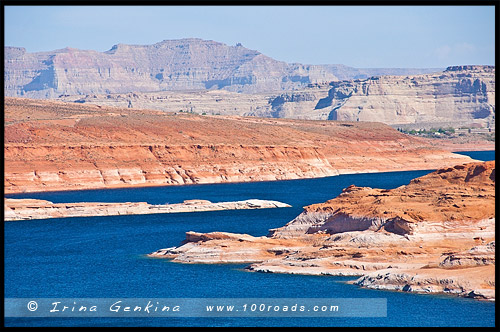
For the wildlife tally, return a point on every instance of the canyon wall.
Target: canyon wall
(461, 96)
(63, 146)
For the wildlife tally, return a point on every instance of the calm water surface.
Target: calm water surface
(104, 257)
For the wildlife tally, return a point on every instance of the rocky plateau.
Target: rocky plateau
(51, 146)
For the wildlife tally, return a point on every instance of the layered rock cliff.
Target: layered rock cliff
(434, 235)
(183, 64)
(460, 96)
(60, 146)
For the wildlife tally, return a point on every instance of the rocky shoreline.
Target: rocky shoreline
(28, 209)
(434, 235)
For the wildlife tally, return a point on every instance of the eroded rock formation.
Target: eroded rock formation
(27, 209)
(435, 234)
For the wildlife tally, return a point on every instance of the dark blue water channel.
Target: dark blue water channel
(104, 257)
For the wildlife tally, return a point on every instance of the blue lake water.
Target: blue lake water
(480, 155)
(104, 257)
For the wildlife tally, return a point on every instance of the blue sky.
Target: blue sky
(358, 36)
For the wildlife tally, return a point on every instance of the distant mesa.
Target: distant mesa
(209, 77)
(173, 65)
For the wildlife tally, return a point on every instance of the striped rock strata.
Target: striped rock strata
(53, 146)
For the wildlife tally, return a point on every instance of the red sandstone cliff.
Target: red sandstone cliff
(60, 146)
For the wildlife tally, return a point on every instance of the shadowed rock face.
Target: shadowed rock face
(434, 235)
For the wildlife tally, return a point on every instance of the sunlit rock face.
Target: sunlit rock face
(460, 95)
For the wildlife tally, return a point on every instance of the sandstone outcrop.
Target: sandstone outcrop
(27, 209)
(434, 235)
(62, 146)
(462, 199)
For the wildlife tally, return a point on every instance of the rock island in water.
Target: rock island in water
(26, 209)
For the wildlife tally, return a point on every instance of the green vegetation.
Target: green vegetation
(480, 133)
(433, 132)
